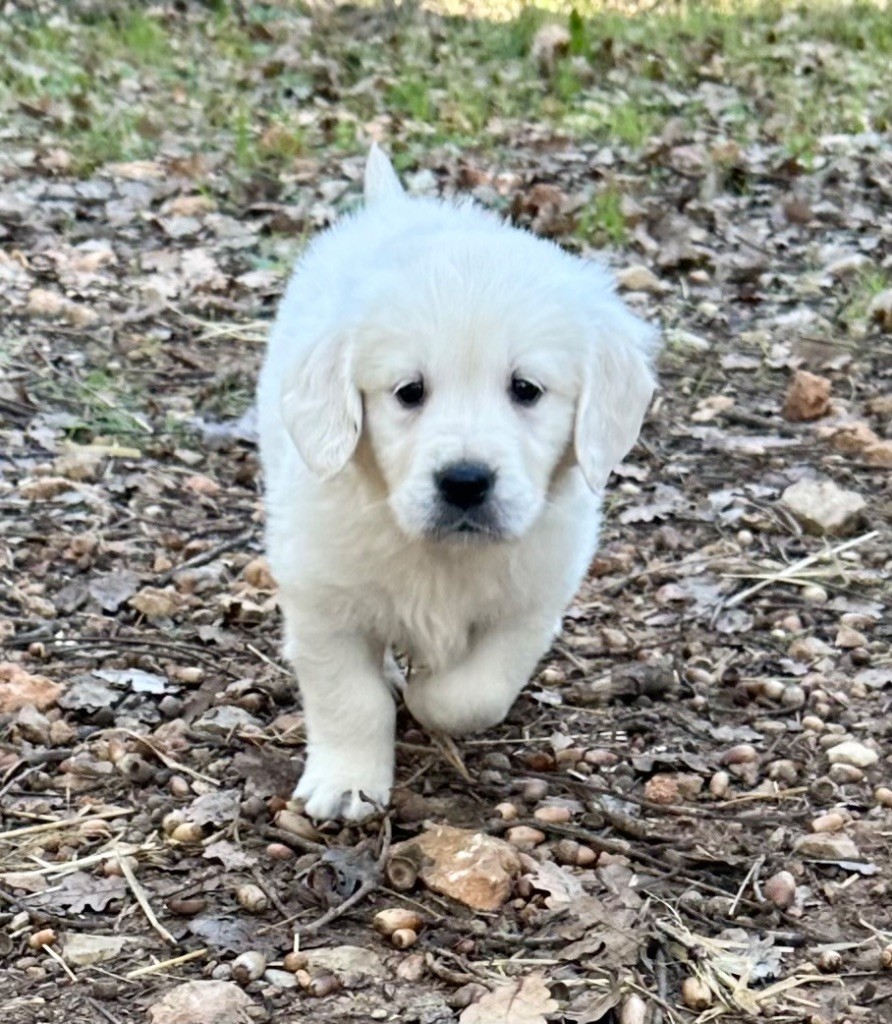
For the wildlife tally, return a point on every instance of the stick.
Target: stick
(48, 826)
(162, 965)
(139, 894)
(51, 952)
(168, 762)
(803, 563)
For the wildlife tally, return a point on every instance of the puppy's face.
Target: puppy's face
(478, 365)
(468, 405)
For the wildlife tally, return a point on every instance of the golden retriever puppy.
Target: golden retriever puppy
(443, 399)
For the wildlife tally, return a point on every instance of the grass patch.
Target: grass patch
(602, 220)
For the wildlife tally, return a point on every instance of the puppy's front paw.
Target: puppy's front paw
(444, 704)
(334, 785)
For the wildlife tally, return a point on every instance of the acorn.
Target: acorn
(248, 967)
(252, 898)
(397, 919)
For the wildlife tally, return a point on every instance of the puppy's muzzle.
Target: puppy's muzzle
(465, 485)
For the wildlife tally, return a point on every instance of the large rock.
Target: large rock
(202, 1002)
(471, 867)
(824, 508)
(19, 689)
(827, 846)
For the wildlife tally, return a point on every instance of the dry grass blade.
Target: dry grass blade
(50, 826)
(783, 575)
(163, 965)
(141, 898)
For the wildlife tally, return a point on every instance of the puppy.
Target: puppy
(442, 401)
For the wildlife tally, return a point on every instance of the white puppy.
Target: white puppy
(442, 401)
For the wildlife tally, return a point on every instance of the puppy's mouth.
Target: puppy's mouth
(475, 525)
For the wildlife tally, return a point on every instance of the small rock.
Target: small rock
(471, 867)
(743, 753)
(280, 979)
(848, 266)
(677, 338)
(854, 753)
(824, 508)
(830, 822)
(845, 774)
(808, 397)
(202, 1002)
(780, 889)
(350, 966)
(719, 784)
(553, 815)
(662, 789)
(846, 637)
(883, 796)
(696, 994)
(814, 594)
(827, 846)
(524, 837)
(639, 278)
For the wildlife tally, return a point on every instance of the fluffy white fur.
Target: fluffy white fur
(403, 290)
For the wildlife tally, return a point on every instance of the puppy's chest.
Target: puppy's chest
(434, 613)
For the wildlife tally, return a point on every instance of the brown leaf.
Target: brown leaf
(808, 397)
(19, 689)
(525, 1001)
(79, 890)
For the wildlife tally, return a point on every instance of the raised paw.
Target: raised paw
(443, 704)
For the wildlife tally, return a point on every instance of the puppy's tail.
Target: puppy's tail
(381, 182)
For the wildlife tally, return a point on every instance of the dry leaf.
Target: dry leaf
(808, 397)
(19, 689)
(526, 1001)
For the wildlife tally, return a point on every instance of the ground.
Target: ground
(704, 755)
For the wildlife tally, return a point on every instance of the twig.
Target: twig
(752, 874)
(56, 956)
(169, 762)
(792, 570)
(162, 965)
(368, 886)
(48, 826)
(203, 557)
(142, 900)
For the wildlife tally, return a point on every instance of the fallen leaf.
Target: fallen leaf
(78, 891)
(525, 1001)
(19, 689)
(807, 398)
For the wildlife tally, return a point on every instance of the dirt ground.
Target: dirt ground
(704, 756)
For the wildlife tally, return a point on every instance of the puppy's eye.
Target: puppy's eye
(411, 394)
(525, 392)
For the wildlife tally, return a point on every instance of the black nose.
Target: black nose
(465, 484)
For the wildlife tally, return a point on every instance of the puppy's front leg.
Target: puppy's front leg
(349, 714)
(478, 692)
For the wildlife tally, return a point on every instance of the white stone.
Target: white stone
(822, 507)
(854, 753)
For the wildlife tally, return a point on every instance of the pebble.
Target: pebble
(187, 832)
(780, 889)
(696, 994)
(814, 594)
(662, 789)
(279, 851)
(783, 770)
(812, 723)
(719, 784)
(280, 979)
(823, 507)
(411, 968)
(743, 753)
(534, 790)
(773, 689)
(847, 637)
(883, 796)
(853, 752)
(553, 815)
(833, 821)
(506, 811)
(793, 697)
(601, 758)
(524, 836)
(395, 919)
(45, 937)
(827, 846)
(846, 774)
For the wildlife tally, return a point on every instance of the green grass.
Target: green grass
(602, 220)
(237, 86)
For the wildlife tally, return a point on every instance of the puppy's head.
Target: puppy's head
(480, 362)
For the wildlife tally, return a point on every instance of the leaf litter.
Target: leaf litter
(160, 171)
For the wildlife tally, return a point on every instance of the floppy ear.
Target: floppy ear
(381, 181)
(618, 383)
(322, 408)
